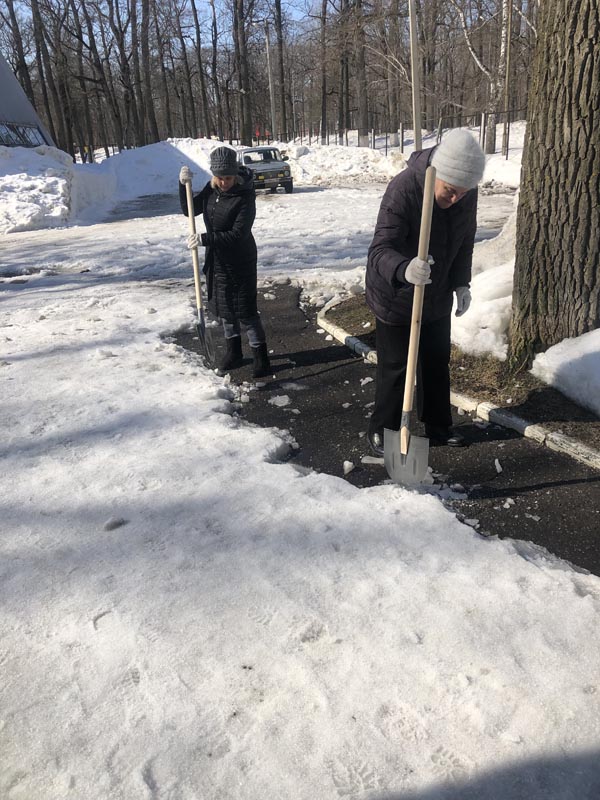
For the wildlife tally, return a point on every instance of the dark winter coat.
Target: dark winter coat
(396, 242)
(230, 256)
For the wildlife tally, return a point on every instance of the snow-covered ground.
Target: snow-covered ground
(185, 617)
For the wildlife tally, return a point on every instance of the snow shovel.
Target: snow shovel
(406, 457)
(204, 336)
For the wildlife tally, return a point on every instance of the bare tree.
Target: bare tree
(148, 100)
(493, 75)
(283, 133)
(361, 75)
(205, 124)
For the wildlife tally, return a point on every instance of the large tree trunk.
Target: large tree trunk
(205, 123)
(148, 100)
(323, 56)
(193, 131)
(283, 133)
(239, 27)
(214, 70)
(361, 76)
(392, 75)
(557, 270)
(162, 55)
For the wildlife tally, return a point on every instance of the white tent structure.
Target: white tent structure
(20, 126)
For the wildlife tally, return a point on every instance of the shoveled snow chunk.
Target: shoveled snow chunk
(498, 466)
(348, 467)
(280, 400)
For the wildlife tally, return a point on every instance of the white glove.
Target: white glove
(463, 300)
(419, 271)
(193, 240)
(185, 175)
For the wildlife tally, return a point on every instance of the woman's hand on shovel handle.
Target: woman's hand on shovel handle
(185, 175)
(193, 240)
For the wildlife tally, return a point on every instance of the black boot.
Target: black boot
(262, 365)
(233, 358)
(440, 434)
(375, 439)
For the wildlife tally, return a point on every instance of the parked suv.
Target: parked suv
(268, 167)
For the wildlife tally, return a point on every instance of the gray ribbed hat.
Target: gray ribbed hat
(223, 162)
(459, 160)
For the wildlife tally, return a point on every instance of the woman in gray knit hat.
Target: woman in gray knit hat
(228, 205)
(393, 269)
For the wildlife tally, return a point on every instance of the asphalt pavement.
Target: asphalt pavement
(502, 484)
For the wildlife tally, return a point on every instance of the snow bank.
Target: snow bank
(41, 187)
(35, 188)
(484, 328)
(573, 367)
(336, 164)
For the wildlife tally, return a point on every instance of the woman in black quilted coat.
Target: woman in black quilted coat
(228, 206)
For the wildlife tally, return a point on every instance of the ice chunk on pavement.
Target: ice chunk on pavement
(280, 400)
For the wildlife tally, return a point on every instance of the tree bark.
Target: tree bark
(148, 104)
(193, 132)
(205, 124)
(168, 121)
(361, 77)
(243, 72)
(215, 73)
(557, 270)
(323, 57)
(281, 70)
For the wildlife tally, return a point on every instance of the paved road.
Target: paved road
(540, 496)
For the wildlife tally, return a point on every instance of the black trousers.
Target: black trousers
(433, 374)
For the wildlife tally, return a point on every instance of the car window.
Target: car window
(261, 156)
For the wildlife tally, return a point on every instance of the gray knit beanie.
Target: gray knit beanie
(459, 160)
(223, 162)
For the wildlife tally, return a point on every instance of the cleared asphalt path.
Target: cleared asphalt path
(540, 496)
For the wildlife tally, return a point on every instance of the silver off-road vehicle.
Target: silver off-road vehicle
(269, 168)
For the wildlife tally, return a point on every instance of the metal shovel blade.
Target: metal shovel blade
(206, 343)
(409, 469)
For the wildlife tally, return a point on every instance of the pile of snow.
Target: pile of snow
(41, 187)
(35, 188)
(573, 367)
(484, 329)
(335, 164)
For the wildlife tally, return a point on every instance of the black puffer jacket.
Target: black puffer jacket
(396, 242)
(230, 258)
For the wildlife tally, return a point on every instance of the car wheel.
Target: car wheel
(273, 189)
(289, 188)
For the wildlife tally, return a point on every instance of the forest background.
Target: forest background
(124, 73)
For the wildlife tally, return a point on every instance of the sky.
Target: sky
(184, 614)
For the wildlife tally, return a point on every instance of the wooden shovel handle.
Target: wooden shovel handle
(417, 311)
(195, 260)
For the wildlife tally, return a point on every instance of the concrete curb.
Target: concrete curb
(486, 411)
